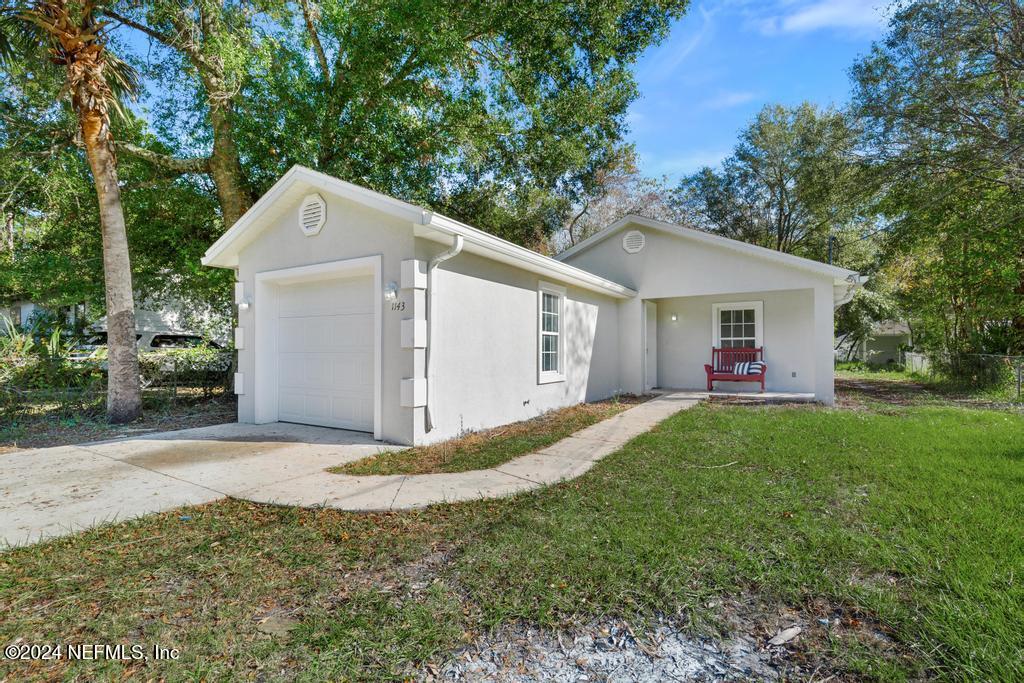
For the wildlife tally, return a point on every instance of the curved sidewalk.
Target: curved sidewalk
(566, 459)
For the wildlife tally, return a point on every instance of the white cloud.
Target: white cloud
(729, 99)
(667, 58)
(861, 17)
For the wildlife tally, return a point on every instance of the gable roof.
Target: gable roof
(841, 276)
(300, 181)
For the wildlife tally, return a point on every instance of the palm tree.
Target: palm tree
(69, 34)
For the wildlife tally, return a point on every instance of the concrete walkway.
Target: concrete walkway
(48, 492)
(566, 459)
(51, 492)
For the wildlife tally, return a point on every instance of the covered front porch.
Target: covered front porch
(679, 333)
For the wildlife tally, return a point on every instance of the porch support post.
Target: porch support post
(631, 350)
(824, 333)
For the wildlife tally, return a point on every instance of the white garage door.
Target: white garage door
(325, 353)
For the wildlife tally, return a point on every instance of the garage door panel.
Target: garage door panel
(318, 407)
(290, 336)
(317, 372)
(342, 297)
(354, 370)
(326, 353)
(291, 405)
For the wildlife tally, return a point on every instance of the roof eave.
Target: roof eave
(503, 251)
(838, 274)
(224, 252)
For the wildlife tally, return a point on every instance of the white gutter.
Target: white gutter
(454, 250)
(497, 249)
(855, 282)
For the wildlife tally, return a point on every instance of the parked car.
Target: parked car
(147, 341)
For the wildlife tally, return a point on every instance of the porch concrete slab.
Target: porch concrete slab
(752, 396)
(421, 490)
(545, 468)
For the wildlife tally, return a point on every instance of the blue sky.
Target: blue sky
(725, 60)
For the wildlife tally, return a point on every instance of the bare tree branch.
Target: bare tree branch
(314, 38)
(167, 163)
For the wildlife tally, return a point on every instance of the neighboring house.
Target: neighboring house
(883, 346)
(360, 311)
(22, 313)
(157, 325)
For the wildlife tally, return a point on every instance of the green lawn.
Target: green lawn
(492, 447)
(904, 523)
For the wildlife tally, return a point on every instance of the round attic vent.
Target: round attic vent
(633, 241)
(312, 214)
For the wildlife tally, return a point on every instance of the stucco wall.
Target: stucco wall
(684, 345)
(670, 266)
(351, 231)
(485, 348)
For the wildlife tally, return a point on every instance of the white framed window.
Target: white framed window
(737, 324)
(550, 333)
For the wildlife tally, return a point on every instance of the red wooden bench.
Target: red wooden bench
(724, 360)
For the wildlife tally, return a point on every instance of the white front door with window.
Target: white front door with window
(325, 353)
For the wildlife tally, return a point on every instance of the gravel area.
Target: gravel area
(611, 651)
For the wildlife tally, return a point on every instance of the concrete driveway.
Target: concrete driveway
(50, 492)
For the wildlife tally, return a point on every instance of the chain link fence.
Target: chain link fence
(79, 388)
(999, 377)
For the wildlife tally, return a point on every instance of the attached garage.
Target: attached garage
(325, 353)
(318, 345)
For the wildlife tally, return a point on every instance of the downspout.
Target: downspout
(454, 250)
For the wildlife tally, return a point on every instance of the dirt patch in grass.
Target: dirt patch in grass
(864, 391)
(491, 447)
(49, 431)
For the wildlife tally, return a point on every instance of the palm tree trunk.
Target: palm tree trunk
(124, 395)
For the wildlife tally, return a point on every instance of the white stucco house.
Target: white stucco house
(360, 311)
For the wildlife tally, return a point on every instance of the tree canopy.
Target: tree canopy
(941, 100)
(501, 114)
(788, 185)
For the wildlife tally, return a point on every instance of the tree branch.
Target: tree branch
(167, 163)
(314, 38)
(156, 35)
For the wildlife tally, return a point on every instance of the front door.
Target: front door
(650, 345)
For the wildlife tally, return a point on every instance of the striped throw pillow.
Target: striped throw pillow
(754, 368)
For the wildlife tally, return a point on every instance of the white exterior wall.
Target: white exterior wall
(485, 353)
(671, 267)
(351, 231)
(684, 345)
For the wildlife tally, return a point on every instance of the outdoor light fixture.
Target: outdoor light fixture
(390, 291)
(675, 317)
(243, 305)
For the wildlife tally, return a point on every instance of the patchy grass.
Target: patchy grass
(43, 428)
(243, 590)
(490, 447)
(901, 526)
(858, 386)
